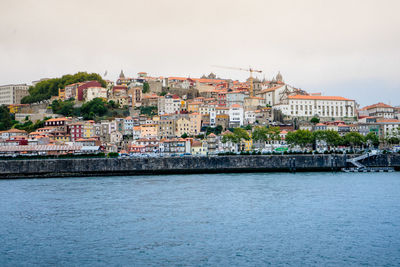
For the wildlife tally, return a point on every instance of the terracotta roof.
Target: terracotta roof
(318, 97)
(196, 144)
(59, 119)
(388, 120)
(270, 89)
(13, 131)
(236, 106)
(377, 105)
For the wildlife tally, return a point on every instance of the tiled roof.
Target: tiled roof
(377, 105)
(318, 97)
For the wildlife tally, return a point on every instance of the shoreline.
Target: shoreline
(58, 168)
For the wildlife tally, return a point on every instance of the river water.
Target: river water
(302, 219)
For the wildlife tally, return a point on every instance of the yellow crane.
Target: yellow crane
(251, 70)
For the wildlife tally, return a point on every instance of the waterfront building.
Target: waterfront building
(199, 148)
(175, 146)
(128, 125)
(379, 110)
(195, 123)
(212, 143)
(249, 117)
(388, 128)
(12, 132)
(148, 130)
(236, 116)
(166, 127)
(13, 93)
(325, 107)
(182, 126)
(76, 130)
(222, 120)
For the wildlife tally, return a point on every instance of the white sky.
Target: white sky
(342, 47)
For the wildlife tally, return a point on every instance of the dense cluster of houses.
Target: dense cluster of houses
(187, 108)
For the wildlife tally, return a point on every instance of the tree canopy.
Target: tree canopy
(46, 89)
(354, 139)
(372, 139)
(146, 88)
(237, 136)
(314, 120)
(6, 120)
(89, 110)
(301, 138)
(330, 137)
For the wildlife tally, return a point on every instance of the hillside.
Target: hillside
(48, 88)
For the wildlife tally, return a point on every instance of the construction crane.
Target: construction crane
(249, 70)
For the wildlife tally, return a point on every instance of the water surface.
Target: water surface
(330, 219)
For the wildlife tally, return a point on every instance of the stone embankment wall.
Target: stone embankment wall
(97, 167)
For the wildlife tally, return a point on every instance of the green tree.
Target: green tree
(216, 130)
(330, 137)
(237, 136)
(260, 134)
(46, 89)
(149, 111)
(184, 135)
(65, 108)
(314, 120)
(146, 88)
(112, 104)
(301, 138)
(333, 138)
(354, 139)
(248, 127)
(372, 139)
(274, 133)
(393, 140)
(6, 120)
(96, 107)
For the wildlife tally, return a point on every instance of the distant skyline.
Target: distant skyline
(346, 48)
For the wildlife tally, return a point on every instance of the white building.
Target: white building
(249, 117)
(317, 105)
(380, 110)
(13, 93)
(95, 92)
(169, 104)
(128, 124)
(276, 95)
(236, 116)
(389, 127)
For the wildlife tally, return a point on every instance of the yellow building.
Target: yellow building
(61, 94)
(88, 129)
(182, 126)
(199, 148)
(248, 145)
(195, 123)
(149, 130)
(193, 107)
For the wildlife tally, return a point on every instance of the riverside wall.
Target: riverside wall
(262, 163)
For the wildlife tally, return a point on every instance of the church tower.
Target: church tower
(121, 75)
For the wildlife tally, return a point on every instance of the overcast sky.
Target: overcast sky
(347, 48)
